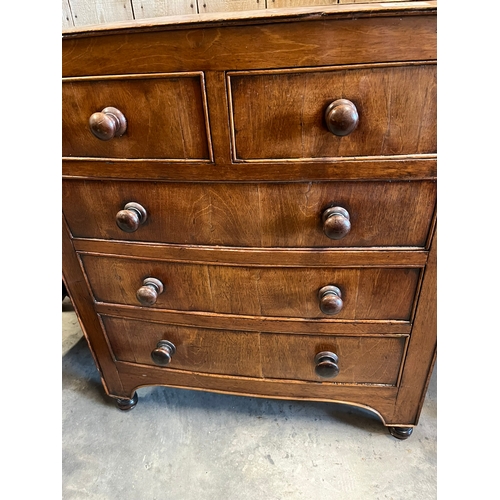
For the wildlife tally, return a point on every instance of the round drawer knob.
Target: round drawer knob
(336, 223)
(326, 364)
(330, 300)
(163, 353)
(341, 117)
(108, 123)
(149, 291)
(131, 217)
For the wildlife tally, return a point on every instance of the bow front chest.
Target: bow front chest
(249, 203)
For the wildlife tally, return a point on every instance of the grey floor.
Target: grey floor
(182, 445)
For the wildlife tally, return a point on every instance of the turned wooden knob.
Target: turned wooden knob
(336, 222)
(108, 123)
(326, 364)
(149, 291)
(131, 217)
(330, 300)
(163, 353)
(341, 117)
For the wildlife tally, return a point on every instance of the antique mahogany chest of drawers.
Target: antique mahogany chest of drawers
(249, 204)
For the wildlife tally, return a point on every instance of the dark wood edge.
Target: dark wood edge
(90, 324)
(271, 161)
(432, 228)
(397, 168)
(208, 130)
(325, 69)
(270, 324)
(135, 76)
(417, 294)
(405, 350)
(325, 383)
(203, 20)
(421, 353)
(378, 399)
(426, 385)
(392, 257)
(324, 159)
(216, 102)
(120, 161)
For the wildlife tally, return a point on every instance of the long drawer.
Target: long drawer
(367, 293)
(254, 214)
(360, 360)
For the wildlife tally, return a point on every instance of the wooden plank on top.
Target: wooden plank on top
(67, 17)
(145, 9)
(276, 4)
(100, 11)
(230, 5)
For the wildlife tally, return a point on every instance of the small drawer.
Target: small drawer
(351, 360)
(367, 110)
(367, 293)
(162, 116)
(254, 215)
(196, 349)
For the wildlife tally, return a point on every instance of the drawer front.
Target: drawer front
(281, 114)
(196, 349)
(254, 215)
(366, 293)
(165, 116)
(360, 360)
(375, 360)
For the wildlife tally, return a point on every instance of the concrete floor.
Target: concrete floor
(182, 445)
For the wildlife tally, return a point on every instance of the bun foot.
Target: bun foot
(127, 404)
(401, 432)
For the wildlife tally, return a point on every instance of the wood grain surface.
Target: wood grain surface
(290, 325)
(230, 352)
(260, 215)
(368, 293)
(369, 168)
(166, 117)
(422, 349)
(365, 360)
(378, 398)
(280, 114)
(279, 45)
(264, 257)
